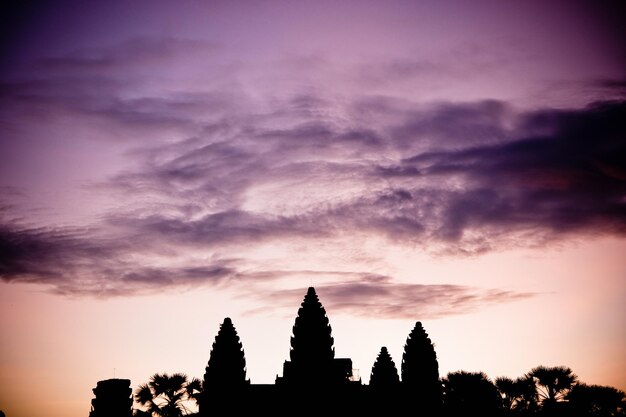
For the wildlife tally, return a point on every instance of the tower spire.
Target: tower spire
(311, 341)
(384, 372)
(420, 369)
(312, 353)
(227, 363)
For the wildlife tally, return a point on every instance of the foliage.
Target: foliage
(553, 383)
(470, 393)
(167, 395)
(519, 396)
(596, 401)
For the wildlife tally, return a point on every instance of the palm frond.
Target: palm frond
(143, 395)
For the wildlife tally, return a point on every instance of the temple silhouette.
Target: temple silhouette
(112, 399)
(313, 380)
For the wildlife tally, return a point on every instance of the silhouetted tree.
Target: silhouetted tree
(553, 384)
(312, 350)
(470, 394)
(506, 388)
(227, 363)
(165, 395)
(420, 369)
(519, 396)
(384, 372)
(596, 401)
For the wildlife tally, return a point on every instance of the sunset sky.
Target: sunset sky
(166, 164)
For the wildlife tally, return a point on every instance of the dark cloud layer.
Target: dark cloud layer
(565, 174)
(555, 173)
(73, 264)
(77, 262)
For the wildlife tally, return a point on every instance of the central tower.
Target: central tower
(312, 353)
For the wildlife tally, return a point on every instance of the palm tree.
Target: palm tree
(166, 395)
(518, 395)
(506, 388)
(553, 383)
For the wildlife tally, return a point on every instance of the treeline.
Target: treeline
(543, 391)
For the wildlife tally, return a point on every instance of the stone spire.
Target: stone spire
(311, 341)
(312, 353)
(227, 363)
(420, 369)
(384, 372)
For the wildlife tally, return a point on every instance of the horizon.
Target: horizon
(165, 166)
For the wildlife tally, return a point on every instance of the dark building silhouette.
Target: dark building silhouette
(227, 363)
(312, 353)
(384, 395)
(384, 373)
(313, 382)
(226, 371)
(420, 369)
(113, 399)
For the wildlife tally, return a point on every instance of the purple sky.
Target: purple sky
(250, 149)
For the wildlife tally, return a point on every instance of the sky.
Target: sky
(164, 165)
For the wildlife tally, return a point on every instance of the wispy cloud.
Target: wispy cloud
(554, 173)
(80, 262)
(378, 296)
(75, 264)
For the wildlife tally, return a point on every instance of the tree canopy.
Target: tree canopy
(168, 395)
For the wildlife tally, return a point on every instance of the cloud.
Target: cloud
(218, 170)
(218, 229)
(508, 179)
(105, 103)
(454, 125)
(378, 296)
(115, 90)
(78, 262)
(138, 53)
(74, 264)
(617, 84)
(564, 174)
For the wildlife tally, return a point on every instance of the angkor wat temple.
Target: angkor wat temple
(313, 380)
